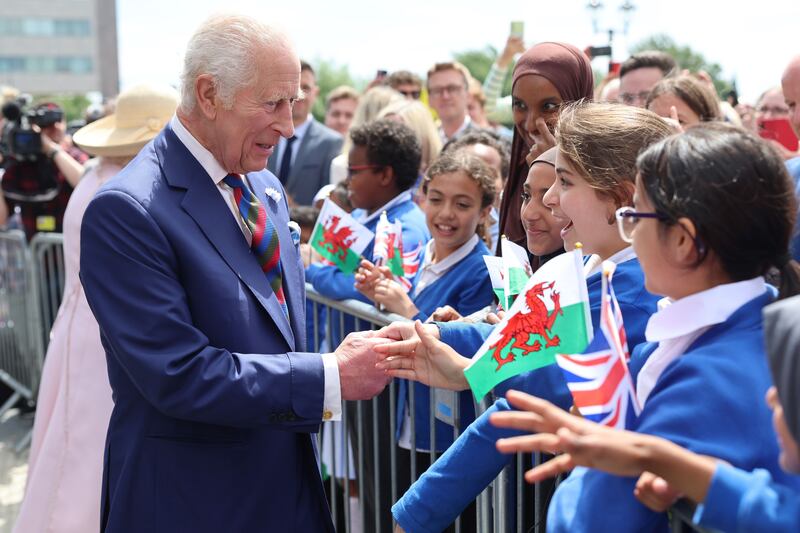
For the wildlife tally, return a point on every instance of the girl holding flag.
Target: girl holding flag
(459, 190)
(596, 165)
(713, 214)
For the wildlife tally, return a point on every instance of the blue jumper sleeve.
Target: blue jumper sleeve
(435, 500)
(748, 501)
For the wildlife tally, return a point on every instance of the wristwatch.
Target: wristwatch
(52, 153)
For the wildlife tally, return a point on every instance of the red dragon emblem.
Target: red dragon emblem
(524, 325)
(335, 239)
(390, 246)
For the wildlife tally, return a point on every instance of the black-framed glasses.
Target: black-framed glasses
(627, 219)
(631, 98)
(449, 89)
(354, 169)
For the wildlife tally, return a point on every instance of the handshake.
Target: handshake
(410, 350)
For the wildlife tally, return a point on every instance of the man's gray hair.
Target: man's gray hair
(225, 46)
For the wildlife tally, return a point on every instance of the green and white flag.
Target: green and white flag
(494, 265)
(339, 238)
(516, 270)
(551, 316)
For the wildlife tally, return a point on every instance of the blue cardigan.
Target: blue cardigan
(331, 282)
(749, 501)
(472, 462)
(710, 401)
(467, 288)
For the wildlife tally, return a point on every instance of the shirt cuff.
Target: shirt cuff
(332, 403)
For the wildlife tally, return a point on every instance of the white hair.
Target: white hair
(225, 46)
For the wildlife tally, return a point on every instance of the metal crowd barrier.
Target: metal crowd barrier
(47, 253)
(31, 288)
(21, 342)
(494, 506)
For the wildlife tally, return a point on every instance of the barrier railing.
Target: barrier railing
(31, 287)
(21, 342)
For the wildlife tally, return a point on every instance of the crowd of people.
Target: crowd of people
(179, 391)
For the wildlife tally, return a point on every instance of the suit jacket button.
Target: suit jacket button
(327, 414)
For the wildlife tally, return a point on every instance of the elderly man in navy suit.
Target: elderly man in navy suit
(191, 271)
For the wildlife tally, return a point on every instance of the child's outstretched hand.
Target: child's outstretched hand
(393, 297)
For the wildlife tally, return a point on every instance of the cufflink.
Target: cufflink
(327, 414)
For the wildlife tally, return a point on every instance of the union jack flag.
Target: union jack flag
(599, 379)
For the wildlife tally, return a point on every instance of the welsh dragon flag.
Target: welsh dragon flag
(551, 316)
(516, 270)
(339, 238)
(388, 251)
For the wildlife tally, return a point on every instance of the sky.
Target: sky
(752, 46)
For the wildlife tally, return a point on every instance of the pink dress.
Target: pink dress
(74, 405)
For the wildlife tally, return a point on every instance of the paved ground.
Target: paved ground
(13, 466)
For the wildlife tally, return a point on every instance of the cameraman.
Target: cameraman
(41, 187)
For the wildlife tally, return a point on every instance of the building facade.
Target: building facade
(59, 46)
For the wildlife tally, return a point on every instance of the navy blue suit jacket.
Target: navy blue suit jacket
(214, 399)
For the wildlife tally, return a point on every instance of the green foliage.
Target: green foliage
(480, 61)
(329, 75)
(74, 105)
(686, 57)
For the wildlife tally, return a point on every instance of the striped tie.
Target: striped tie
(265, 243)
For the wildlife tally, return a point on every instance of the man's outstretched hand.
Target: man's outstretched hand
(359, 378)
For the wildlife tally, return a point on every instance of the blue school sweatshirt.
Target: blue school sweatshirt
(331, 282)
(748, 501)
(472, 462)
(467, 288)
(710, 400)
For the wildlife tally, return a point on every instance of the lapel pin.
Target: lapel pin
(273, 193)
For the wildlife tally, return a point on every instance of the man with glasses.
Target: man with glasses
(447, 87)
(640, 73)
(406, 83)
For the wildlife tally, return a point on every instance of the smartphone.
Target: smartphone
(778, 129)
(517, 28)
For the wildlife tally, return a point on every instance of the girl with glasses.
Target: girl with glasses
(713, 212)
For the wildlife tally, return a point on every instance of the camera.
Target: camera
(19, 139)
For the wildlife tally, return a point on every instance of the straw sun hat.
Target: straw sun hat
(141, 113)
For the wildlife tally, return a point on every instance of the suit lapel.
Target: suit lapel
(206, 206)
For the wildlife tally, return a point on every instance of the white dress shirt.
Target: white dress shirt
(332, 403)
(595, 263)
(445, 138)
(679, 323)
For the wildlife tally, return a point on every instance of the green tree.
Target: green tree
(480, 61)
(329, 75)
(74, 105)
(687, 58)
